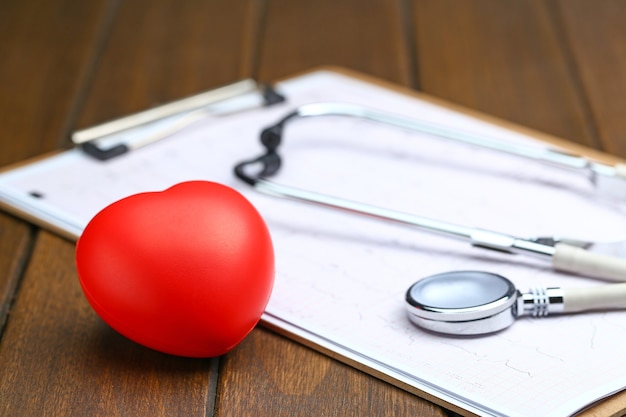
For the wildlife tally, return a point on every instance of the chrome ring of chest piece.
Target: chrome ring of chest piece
(463, 303)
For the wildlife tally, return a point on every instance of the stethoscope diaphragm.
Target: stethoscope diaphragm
(468, 303)
(463, 303)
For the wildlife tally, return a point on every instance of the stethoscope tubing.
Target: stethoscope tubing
(563, 257)
(608, 180)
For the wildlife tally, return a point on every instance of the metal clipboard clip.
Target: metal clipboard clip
(564, 255)
(119, 136)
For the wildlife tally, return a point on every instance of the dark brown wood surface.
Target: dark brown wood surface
(554, 65)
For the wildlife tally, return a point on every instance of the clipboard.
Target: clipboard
(340, 279)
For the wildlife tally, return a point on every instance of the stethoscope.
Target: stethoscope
(491, 310)
(468, 303)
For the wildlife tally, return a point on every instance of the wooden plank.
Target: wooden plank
(15, 241)
(538, 63)
(367, 36)
(159, 51)
(596, 35)
(58, 358)
(46, 48)
(164, 50)
(503, 58)
(296, 381)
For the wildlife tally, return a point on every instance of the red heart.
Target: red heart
(186, 271)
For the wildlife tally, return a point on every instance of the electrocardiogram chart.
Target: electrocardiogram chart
(341, 278)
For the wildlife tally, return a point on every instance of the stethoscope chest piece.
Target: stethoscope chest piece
(463, 303)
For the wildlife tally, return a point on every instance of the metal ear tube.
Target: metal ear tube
(564, 257)
(609, 181)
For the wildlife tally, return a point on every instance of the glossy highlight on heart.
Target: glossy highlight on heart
(187, 271)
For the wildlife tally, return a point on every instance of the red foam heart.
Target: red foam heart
(186, 271)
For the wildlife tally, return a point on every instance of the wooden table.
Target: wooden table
(556, 66)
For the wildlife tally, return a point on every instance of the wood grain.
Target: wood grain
(502, 58)
(364, 35)
(15, 241)
(46, 48)
(164, 50)
(596, 36)
(58, 358)
(270, 375)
